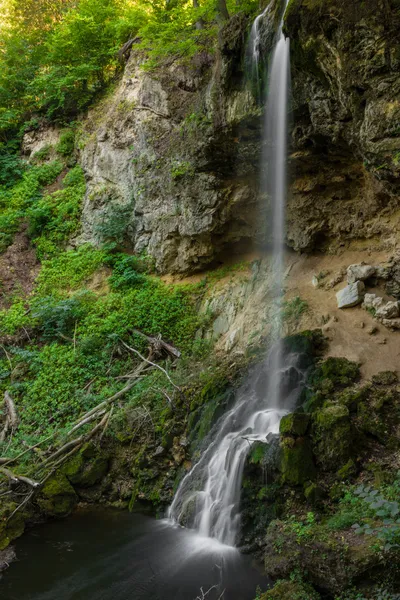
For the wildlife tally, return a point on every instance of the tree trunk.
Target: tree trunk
(223, 9)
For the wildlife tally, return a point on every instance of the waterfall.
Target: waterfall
(208, 497)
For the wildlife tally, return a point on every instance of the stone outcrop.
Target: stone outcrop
(346, 139)
(170, 159)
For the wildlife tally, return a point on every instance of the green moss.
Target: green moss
(10, 528)
(385, 378)
(58, 497)
(347, 471)
(313, 493)
(297, 463)
(339, 371)
(327, 379)
(331, 435)
(290, 590)
(294, 424)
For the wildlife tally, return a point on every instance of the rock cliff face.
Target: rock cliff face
(346, 135)
(170, 158)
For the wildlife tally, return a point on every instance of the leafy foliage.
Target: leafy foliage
(56, 58)
(387, 511)
(53, 218)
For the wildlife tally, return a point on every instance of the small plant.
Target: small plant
(293, 310)
(387, 511)
(113, 227)
(302, 529)
(66, 145)
(180, 169)
(42, 154)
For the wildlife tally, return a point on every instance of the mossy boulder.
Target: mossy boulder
(331, 436)
(348, 471)
(295, 424)
(11, 527)
(86, 473)
(330, 376)
(58, 497)
(297, 462)
(333, 561)
(313, 493)
(293, 590)
(385, 378)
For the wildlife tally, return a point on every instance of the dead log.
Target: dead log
(159, 344)
(11, 410)
(151, 363)
(77, 441)
(125, 51)
(19, 478)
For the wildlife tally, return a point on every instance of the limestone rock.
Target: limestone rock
(360, 272)
(346, 135)
(390, 310)
(372, 301)
(351, 295)
(391, 324)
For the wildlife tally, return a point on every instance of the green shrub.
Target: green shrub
(126, 273)
(66, 145)
(55, 217)
(68, 270)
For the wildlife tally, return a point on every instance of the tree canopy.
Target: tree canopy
(57, 55)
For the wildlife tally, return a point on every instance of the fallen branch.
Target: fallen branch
(5, 429)
(19, 478)
(86, 421)
(12, 411)
(112, 399)
(158, 342)
(151, 363)
(9, 461)
(77, 441)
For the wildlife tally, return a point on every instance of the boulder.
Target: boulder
(294, 424)
(372, 301)
(360, 272)
(390, 310)
(351, 295)
(391, 323)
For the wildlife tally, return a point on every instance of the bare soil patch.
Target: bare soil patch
(19, 267)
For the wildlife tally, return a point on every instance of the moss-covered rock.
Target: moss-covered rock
(291, 590)
(85, 473)
(313, 493)
(294, 424)
(331, 435)
(297, 462)
(11, 526)
(385, 378)
(58, 497)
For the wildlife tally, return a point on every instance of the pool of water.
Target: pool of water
(110, 555)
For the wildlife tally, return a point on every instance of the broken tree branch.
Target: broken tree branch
(158, 342)
(19, 478)
(12, 411)
(150, 363)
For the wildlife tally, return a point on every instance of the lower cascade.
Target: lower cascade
(208, 497)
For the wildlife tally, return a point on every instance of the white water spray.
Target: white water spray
(209, 496)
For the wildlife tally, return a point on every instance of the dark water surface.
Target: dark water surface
(107, 555)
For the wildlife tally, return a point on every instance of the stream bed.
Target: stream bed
(112, 555)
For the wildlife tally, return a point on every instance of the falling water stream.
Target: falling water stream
(209, 496)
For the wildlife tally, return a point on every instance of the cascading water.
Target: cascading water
(209, 496)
